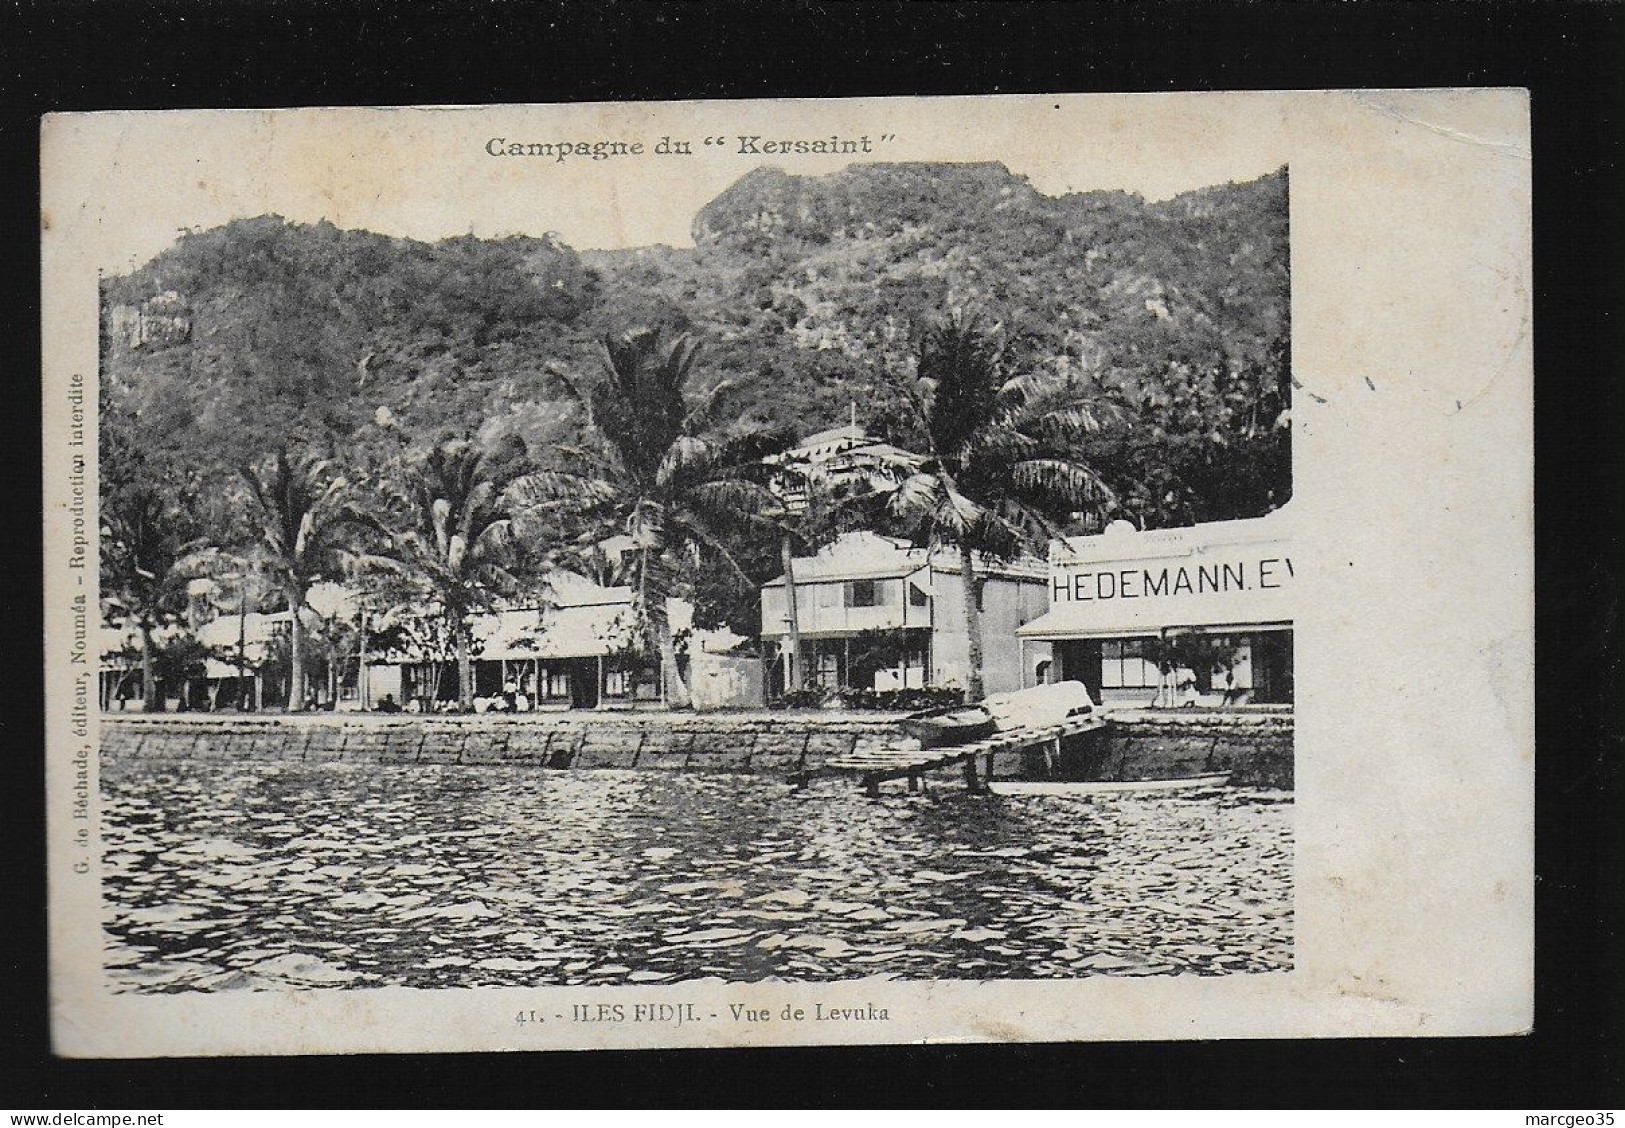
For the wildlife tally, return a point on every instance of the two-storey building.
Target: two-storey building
(876, 612)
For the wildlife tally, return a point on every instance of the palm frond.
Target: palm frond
(721, 498)
(684, 454)
(915, 495)
(699, 414)
(1065, 480)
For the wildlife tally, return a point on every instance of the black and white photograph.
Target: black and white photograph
(693, 556)
(892, 583)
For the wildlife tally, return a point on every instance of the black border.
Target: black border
(80, 54)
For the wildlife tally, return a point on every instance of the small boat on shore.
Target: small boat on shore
(1033, 708)
(1037, 707)
(941, 728)
(1107, 787)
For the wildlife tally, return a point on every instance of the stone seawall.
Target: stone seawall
(1257, 749)
(767, 743)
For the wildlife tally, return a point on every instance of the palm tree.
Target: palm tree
(458, 537)
(656, 476)
(236, 576)
(818, 500)
(150, 552)
(1003, 457)
(302, 515)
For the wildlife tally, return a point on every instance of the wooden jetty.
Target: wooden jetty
(875, 766)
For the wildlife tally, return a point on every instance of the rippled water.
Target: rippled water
(268, 875)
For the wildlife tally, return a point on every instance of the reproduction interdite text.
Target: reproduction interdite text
(79, 747)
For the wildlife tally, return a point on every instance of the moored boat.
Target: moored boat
(942, 728)
(1033, 708)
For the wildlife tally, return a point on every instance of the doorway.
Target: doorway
(1079, 660)
(1272, 668)
(583, 674)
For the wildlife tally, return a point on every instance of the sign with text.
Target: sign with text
(1170, 579)
(1128, 582)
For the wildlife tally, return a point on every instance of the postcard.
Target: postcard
(1008, 568)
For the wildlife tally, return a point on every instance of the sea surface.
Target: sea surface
(263, 876)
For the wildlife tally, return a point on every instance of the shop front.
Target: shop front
(1173, 617)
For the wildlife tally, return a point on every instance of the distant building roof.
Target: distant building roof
(567, 589)
(866, 556)
(570, 630)
(833, 437)
(562, 632)
(583, 619)
(847, 444)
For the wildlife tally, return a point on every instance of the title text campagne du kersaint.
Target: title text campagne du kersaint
(739, 144)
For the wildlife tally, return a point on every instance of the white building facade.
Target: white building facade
(584, 650)
(876, 612)
(1201, 615)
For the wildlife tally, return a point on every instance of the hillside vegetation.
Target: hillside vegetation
(805, 293)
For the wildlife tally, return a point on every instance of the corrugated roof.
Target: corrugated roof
(867, 556)
(583, 630)
(560, 632)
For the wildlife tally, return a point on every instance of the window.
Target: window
(1269, 667)
(1123, 665)
(828, 671)
(917, 596)
(558, 682)
(864, 593)
(488, 678)
(1111, 665)
(617, 683)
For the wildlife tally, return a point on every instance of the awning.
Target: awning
(1083, 620)
(782, 633)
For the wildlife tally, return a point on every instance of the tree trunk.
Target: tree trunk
(465, 666)
(296, 651)
(242, 647)
(796, 676)
(657, 627)
(974, 690)
(361, 687)
(149, 684)
(677, 695)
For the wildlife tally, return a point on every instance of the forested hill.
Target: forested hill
(803, 290)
